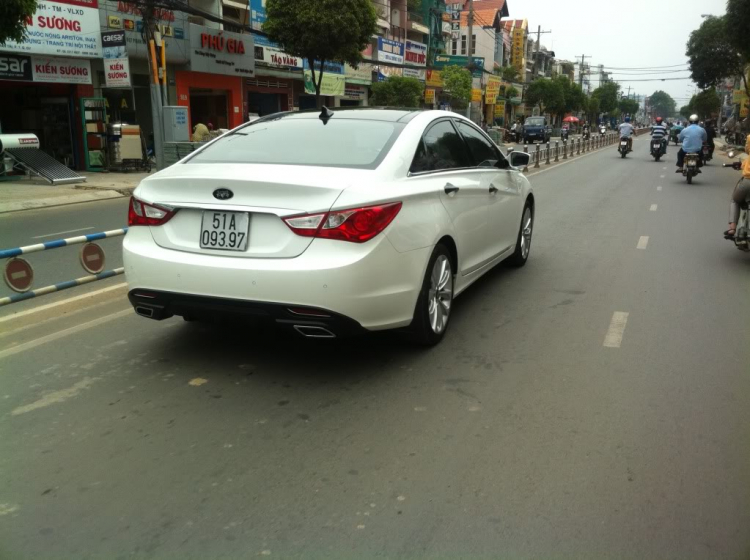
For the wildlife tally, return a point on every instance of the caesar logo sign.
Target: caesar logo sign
(113, 39)
(15, 67)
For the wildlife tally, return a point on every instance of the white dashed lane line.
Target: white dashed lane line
(616, 330)
(653, 208)
(658, 188)
(643, 242)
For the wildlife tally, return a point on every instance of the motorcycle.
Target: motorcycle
(623, 148)
(564, 133)
(742, 233)
(691, 167)
(657, 149)
(706, 154)
(602, 130)
(586, 134)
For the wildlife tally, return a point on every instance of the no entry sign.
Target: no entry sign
(18, 275)
(92, 258)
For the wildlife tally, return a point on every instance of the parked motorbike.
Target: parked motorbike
(691, 167)
(706, 154)
(623, 148)
(657, 149)
(742, 233)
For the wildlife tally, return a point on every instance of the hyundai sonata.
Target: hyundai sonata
(329, 223)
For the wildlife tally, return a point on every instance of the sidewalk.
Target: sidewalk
(30, 193)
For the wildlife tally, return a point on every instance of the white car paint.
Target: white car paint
(375, 283)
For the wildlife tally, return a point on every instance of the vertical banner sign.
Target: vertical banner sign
(500, 109)
(492, 89)
(116, 63)
(429, 96)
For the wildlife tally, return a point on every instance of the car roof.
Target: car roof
(389, 114)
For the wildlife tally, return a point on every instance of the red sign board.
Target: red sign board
(92, 258)
(18, 275)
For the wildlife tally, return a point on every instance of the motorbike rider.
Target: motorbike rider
(711, 136)
(740, 194)
(585, 130)
(627, 131)
(659, 132)
(692, 139)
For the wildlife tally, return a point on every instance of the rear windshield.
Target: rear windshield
(298, 141)
(535, 121)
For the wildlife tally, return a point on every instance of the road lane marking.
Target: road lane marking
(62, 232)
(653, 208)
(664, 168)
(643, 242)
(616, 330)
(63, 302)
(62, 334)
(55, 397)
(661, 176)
(658, 188)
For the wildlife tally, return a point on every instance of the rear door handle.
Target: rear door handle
(450, 189)
(493, 189)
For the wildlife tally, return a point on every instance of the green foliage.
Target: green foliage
(397, 91)
(686, 111)
(510, 73)
(606, 94)
(738, 26)
(662, 104)
(324, 30)
(628, 106)
(574, 98)
(13, 15)
(511, 92)
(593, 108)
(457, 84)
(548, 94)
(705, 104)
(711, 55)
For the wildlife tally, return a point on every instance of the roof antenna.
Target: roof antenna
(325, 114)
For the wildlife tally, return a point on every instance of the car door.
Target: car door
(503, 208)
(443, 159)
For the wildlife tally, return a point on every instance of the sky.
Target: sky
(622, 34)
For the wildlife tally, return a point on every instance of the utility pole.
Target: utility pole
(150, 38)
(629, 88)
(538, 43)
(470, 42)
(580, 74)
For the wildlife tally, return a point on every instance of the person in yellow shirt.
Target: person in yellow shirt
(740, 194)
(201, 133)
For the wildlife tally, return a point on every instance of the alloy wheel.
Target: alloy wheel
(526, 227)
(440, 295)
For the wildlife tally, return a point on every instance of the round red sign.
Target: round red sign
(92, 258)
(18, 275)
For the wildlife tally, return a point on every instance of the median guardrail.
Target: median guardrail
(19, 275)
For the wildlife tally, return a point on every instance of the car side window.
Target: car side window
(483, 151)
(441, 148)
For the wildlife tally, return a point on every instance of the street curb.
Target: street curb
(106, 194)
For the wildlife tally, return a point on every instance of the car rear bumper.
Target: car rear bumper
(372, 284)
(309, 322)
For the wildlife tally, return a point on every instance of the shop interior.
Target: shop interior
(209, 106)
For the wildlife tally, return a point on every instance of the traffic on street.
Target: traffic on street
(492, 307)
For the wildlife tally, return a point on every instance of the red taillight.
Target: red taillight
(143, 214)
(356, 224)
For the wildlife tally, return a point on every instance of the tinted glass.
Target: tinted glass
(535, 121)
(342, 143)
(441, 148)
(482, 150)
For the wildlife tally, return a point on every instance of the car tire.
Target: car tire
(431, 314)
(523, 241)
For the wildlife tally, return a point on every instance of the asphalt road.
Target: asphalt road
(591, 405)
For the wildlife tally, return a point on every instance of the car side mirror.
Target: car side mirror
(519, 159)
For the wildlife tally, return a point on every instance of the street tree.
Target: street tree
(592, 108)
(321, 31)
(628, 106)
(686, 111)
(662, 104)
(13, 17)
(510, 73)
(737, 25)
(607, 96)
(511, 92)
(397, 91)
(712, 57)
(705, 103)
(547, 94)
(457, 84)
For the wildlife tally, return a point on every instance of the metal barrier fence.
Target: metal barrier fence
(19, 275)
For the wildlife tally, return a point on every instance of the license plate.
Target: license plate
(623, 143)
(224, 230)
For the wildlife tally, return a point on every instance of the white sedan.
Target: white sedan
(329, 223)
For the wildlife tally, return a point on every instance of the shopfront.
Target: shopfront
(212, 88)
(278, 82)
(43, 79)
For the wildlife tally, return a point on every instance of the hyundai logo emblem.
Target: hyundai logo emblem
(223, 194)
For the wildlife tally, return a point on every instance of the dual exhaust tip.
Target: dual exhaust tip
(308, 331)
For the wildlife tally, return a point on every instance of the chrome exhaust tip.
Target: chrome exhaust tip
(145, 312)
(309, 331)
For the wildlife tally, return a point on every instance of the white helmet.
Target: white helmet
(693, 119)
